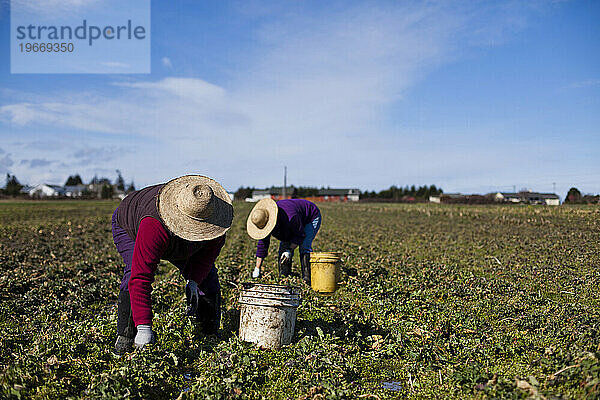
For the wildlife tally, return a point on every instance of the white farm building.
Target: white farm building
(45, 190)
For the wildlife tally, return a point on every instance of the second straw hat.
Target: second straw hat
(262, 219)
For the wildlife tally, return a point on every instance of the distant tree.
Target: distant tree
(289, 191)
(386, 193)
(13, 187)
(243, 193)
(130, 188)
(87, 194)
(369, 195)
(74, 180)
(120, 182)
(573, 196)
(99, 181)
(433, 190)
(292, 191)
(107, 191)
(396, 193)
(306, 191)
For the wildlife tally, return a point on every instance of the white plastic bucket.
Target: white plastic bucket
(268, 314)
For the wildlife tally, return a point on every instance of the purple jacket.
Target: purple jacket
(292, 216)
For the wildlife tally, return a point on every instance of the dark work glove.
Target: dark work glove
(125, 327)
(192, 294)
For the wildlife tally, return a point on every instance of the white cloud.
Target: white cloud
(166, 61)
(115, 64)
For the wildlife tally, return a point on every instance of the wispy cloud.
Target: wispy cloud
(166, 61)
(67, 114)
(116, 64)
(36, 163)
(45, 144)
(99, 155)
(583, 84)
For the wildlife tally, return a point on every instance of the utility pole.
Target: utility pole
(554, 187)
(284, 181)
(514, 188)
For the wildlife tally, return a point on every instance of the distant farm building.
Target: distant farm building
(95, 189)
(446, 197)
(507, 197)
(591, 199)
(338, 195)
(277, 193)
(44, 190)
(75, 191)
(26, 189)
(549, 199)
(90, 191)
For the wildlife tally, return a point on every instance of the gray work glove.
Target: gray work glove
(144, 336)
(285, 256)
(192, 294)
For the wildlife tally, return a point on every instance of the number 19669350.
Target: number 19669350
(46, 47)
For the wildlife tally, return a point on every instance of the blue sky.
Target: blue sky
(473, 96)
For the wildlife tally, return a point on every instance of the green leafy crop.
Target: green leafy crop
(436, 301)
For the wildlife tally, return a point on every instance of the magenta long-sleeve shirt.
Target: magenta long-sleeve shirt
(150, 244)
(292, 216)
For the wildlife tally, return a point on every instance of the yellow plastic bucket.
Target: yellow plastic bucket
(325, 271)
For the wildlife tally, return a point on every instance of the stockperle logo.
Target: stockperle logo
(83, 36)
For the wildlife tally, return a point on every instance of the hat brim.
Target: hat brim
(188, 228)
(254, 231)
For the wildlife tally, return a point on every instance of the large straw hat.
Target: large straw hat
(262, 219)
(195, 208)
